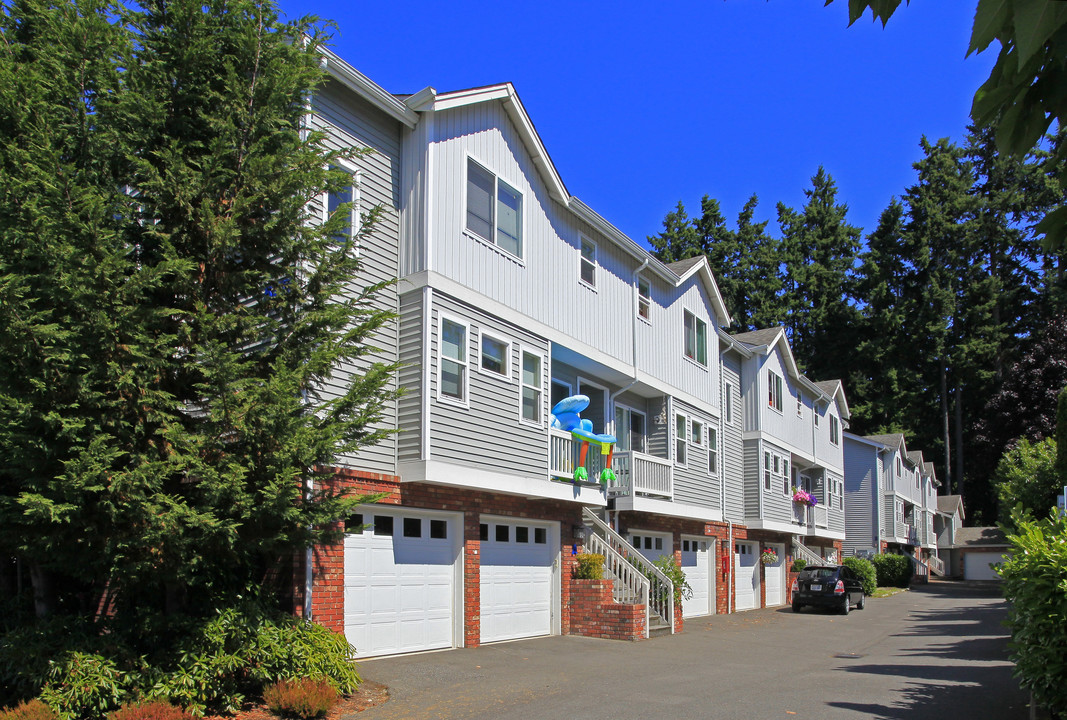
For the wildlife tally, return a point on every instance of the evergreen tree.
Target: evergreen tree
(758, 301)
(678, 239)
(168, 313)
(820, 248)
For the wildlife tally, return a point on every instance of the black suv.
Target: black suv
(832, 586)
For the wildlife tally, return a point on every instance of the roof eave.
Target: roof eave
(366, 88)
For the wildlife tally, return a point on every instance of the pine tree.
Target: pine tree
(170, 315)
(678, 239)
(758, 302)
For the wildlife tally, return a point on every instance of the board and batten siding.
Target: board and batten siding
(827, 452)
(413, 306)
(732, 445)
(693, 483)
(544, 284)
(488, 433)
(783, 425)
(349, 121)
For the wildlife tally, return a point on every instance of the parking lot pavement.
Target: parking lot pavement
(938, 651)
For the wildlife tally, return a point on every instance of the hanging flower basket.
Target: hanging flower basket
(804, 498)
(768, 557)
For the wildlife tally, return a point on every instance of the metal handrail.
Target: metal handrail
(660, 588)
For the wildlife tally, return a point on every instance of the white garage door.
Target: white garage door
(400, 581)
(696, 564)
(746, 576)
(518, 564)
(652, 545)
(976, 566)
(774, 576)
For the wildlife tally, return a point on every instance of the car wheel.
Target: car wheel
(796, 607)
(845, 607)
(863, 602)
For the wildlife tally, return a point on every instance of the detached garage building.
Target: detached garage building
(981, 548)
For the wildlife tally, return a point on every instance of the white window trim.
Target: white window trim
(442, 397)
(713, 450)
(770, 388)
(356, 218)
(641, 298)
(835, 431)
(800, 404)
(632, 411)
(507, 374)
(582, 240)
(686, 439)
(696, 337)
(543, 412)
(492, 242)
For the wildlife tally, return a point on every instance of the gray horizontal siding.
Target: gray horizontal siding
(861, 487)
(753, 472)
(693, 483)
(349, 121)
(409, 406)
(488, 434)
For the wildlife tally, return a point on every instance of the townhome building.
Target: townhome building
(891, 500)
(510, 296)
(948, 521)
(792, 463)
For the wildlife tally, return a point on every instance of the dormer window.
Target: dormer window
(494, 209)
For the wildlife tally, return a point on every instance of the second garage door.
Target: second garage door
(978, 565)
(696, 564)
(518, 587)
(746, 576)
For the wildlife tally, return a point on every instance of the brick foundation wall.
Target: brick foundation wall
(327, 597)
(594, 613)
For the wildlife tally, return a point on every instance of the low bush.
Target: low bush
(86, 685)
(150, 710)
(301, 698)
(892, 570)
(590, 566)
(865, 571)
(28, 710)
(1037, 608)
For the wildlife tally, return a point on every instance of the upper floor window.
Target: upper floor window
(766, 471)
(349, 194)
(835, 430)
(453, 361)
(698, 433)
(713, 451)
(532, 387)
(696, 338)
(728, 402)
(898, 467)
(800, 405)
(816, 415)
(774, 390)
(588, 269)
(681, 423)
(495, 355)
(494, 209)
(644, 299)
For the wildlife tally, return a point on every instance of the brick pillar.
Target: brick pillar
(472, 580)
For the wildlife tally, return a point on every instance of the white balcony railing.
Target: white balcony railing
(640, 474)
(562, 454)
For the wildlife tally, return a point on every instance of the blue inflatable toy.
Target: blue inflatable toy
(565, 416)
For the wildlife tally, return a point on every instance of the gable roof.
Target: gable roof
(681, 267)
(950, 504)
(981, 536)
(836, 389)
(892, 440)
(430, 99)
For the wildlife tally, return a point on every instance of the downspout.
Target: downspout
(308, 558)
(730, 569)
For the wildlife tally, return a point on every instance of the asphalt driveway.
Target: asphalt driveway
(935, 652)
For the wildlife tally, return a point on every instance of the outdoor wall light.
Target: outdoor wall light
(581, 532)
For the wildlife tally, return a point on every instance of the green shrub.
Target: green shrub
(675, 574)
(892, 570)
(27, 654)
(150, 710)
(799, 564)
(865, 571)
(28, 710)
(1037, 608)
(590, 566)
(85, 685)
(301, 698)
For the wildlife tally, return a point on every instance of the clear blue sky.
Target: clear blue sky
(644, 104)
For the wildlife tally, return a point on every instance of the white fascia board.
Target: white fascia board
(864, 441)
(731, 344)
(668, 508)
(367, 89)
(436, 472)
(823, 533)
(773, 525)
(518, 115)
(623, 367)
(703, 268)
